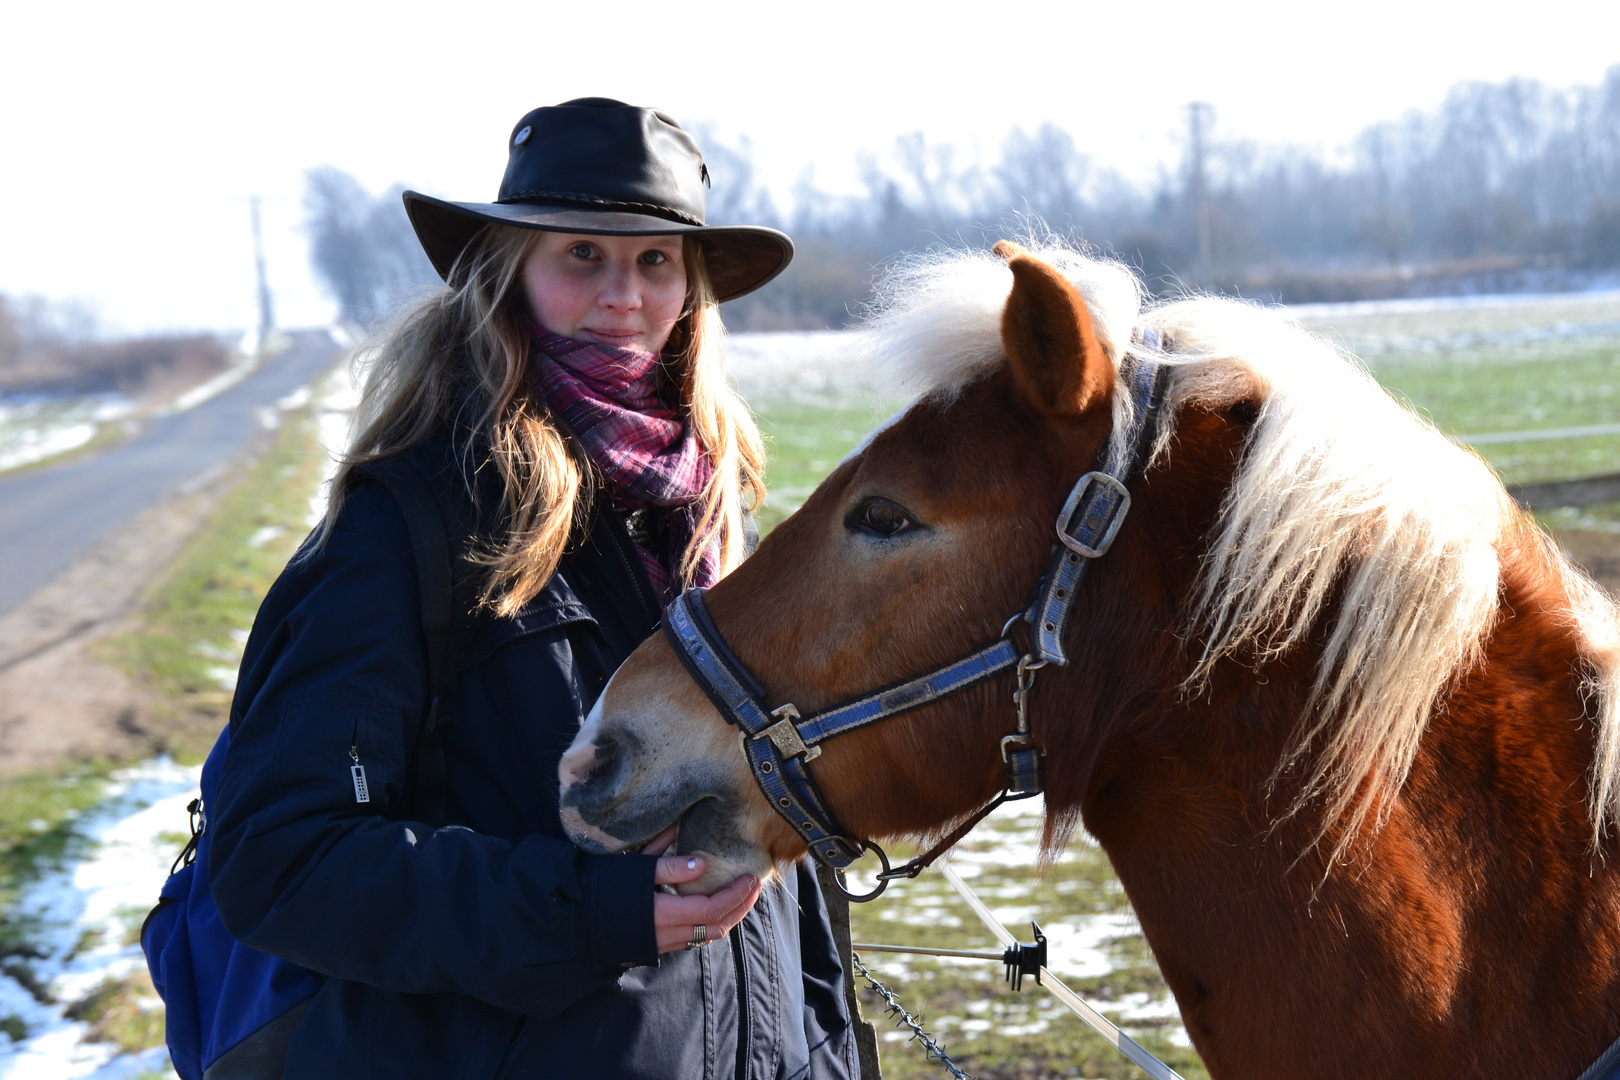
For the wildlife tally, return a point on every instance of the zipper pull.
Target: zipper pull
(362, 793)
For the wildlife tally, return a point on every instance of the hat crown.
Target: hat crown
(602, 153)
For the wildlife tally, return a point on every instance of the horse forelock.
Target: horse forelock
(1344, 498)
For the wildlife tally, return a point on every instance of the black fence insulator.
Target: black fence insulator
(1024, 960)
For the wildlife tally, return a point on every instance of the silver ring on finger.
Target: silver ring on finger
(700, 937)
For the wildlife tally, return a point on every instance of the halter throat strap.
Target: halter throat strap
(779, 744)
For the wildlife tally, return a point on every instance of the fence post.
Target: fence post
(838, 916)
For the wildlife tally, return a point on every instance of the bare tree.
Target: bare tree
(363, 248)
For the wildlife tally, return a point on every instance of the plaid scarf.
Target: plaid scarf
(647, 456)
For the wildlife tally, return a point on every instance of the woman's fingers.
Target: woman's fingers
(678, 870)
(675, 918)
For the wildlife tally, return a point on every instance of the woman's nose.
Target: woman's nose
(622, 291)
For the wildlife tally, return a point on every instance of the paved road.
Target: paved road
(50, 516)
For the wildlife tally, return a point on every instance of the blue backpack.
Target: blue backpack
(234, 1007)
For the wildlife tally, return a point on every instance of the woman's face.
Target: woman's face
(612, 290)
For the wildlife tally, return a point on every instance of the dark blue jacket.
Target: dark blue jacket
(491, 947)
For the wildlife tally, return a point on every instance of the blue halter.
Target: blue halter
(780, 744)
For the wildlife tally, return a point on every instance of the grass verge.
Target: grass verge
(190, 639)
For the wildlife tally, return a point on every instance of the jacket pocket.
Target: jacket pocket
(345, 751)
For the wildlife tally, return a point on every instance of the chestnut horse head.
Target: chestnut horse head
(1341, 717)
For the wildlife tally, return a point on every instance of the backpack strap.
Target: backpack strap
(427, 491)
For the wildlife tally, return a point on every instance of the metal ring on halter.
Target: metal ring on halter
(883, 882)
(700, 937)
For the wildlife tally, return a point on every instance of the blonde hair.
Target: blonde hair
(457, 360)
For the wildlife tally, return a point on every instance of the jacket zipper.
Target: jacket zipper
(615, 528)
(745, 1027)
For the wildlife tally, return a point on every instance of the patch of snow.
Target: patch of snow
(1144, 1006)
(245, 365)
(265, 534)
(95, 899)
(336, 398)
(295, 400)
(33, 428)
(37, 444)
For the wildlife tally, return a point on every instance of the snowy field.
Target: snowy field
(83, 919)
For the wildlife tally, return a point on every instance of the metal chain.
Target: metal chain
(934, 1051)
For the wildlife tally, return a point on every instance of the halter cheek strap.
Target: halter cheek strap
(775, 751)
(779, 744)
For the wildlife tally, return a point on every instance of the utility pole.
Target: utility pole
(266, 321)
(1200, 116)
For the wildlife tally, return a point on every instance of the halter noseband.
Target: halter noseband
(780, 744)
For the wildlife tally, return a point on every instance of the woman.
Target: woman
(566, 388)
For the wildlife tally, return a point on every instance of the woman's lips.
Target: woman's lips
(612, 337)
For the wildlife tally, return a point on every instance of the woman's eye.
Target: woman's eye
(582, 251)
(654, 258)
(884, 518)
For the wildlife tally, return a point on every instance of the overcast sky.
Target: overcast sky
(133, 135)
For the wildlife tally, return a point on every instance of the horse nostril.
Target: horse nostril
(586, 765)
(608, 754)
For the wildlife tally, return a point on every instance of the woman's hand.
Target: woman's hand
(675, 918)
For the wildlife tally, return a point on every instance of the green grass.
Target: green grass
(123, 1012)
(1497, 389)
(804, 441)
(38, 813)
(989, 1029)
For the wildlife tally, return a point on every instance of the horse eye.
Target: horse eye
(880, 517)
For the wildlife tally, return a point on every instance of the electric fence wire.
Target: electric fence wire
(934, 1051)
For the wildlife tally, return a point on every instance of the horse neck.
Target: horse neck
(1470, 930)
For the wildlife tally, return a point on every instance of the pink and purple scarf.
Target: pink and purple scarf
(647, 456)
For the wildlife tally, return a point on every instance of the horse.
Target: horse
(1342, 717)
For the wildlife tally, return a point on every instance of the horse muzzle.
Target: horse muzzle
(634, 770)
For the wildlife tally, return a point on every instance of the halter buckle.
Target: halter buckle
(786, 737)
(1115, 520)
(1009, 743)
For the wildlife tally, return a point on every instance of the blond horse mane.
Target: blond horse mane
(1343, 494)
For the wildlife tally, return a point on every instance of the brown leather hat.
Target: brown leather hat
(595, 165)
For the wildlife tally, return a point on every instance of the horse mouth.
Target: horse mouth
(675, 846)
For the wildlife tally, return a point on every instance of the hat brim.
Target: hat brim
(740, 258)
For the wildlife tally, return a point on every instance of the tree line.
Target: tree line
(1504, 186)
(56, 348)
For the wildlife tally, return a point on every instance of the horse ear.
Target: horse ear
(1050, 342)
